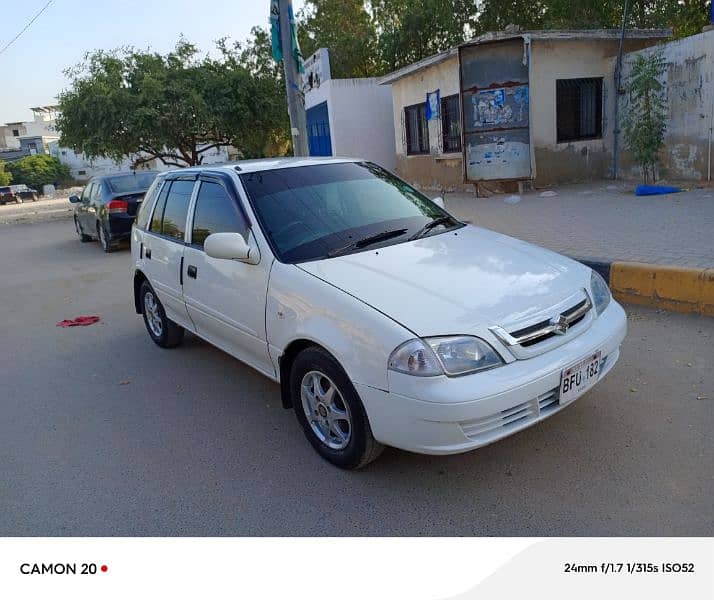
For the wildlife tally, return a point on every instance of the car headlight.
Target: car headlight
(449, 355)
(600, 292)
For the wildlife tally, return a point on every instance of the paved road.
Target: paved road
(102, 433)
(603, 220)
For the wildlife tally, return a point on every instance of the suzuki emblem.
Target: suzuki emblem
(560, 325)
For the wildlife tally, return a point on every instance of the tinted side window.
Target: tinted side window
(142, 219)
(86, 192)
(96, 192)
(176, 210)
(159, 210)
(216, 212)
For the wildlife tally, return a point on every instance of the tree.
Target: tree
(410, 30)
(646, 117)
(346, 29)
(5, 176)
(173, 107)
(38, 170)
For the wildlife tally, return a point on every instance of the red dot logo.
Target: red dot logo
(104, 568)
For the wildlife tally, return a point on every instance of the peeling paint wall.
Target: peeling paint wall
(436, 170)
(689, 85)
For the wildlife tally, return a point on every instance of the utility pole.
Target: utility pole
(293, 88)
(618, 85)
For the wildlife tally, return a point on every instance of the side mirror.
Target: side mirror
(74, 199)
(229, 246)
(439, 201)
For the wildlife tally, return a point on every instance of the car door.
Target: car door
(226, 298)
(163, 246)
(82, 209)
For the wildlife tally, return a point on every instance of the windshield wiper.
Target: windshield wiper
(367, 241)
(431, 224)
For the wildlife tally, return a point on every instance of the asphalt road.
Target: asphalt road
(103, 433)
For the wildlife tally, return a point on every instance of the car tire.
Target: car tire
(330, 411)
(83, 237)
(104, 238)
(162, 330)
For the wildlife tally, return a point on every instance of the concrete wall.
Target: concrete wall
(435, 170)
(552, 60)
(689, 86)
(83, 169)
(360, 115)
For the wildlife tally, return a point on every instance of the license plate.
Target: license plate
(579, 377)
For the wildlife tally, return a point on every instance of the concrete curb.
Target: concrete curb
(679, 289)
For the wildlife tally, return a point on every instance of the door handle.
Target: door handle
(148, 253)
(192, 271)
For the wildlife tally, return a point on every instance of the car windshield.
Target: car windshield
(318, 211)
(134, 182)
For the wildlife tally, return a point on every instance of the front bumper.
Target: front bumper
(449, 415)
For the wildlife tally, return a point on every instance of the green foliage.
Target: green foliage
(646, 118)
(38, 170)
(174, 107)
(410, 30)
(346, 29)
(5, 176)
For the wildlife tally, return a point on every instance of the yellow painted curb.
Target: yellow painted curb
(672, 288)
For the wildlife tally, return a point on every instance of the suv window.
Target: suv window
(142, 219)
(216, 212)
(176, 210)
(155, 225)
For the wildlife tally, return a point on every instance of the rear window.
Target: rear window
(136, 182)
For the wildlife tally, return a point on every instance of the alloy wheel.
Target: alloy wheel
(153, 317)
(326, 411)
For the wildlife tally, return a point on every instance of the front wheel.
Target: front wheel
(162, 330)
(330, 411)
(84, 238)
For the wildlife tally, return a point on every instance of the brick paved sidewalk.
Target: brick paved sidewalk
(602, 220)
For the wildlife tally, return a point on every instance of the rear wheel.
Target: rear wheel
(162, 330)
(330, 411)
(104, 238)
(82, 236)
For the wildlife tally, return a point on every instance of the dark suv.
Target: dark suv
(107, 207)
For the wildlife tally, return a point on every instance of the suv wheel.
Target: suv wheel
(330, 412)
(162, 330)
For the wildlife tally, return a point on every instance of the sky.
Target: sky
(31, 70)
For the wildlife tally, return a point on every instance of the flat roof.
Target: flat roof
(537, 34)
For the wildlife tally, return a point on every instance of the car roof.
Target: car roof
(262, 164)
(123, 174)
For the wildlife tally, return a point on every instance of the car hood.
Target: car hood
(456, 282)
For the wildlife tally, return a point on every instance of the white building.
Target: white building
(42, 125)
(347, 117)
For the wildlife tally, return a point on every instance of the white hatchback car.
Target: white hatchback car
(385, 320)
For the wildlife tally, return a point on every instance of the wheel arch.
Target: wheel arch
(139, 278)
(285, 363)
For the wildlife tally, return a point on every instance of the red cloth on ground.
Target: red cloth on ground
(78, 321)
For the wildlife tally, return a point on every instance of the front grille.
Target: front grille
(512, 418)
(524, 341)
(568, 314)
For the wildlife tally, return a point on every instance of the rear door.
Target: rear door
(226, 298)
(163, 246)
